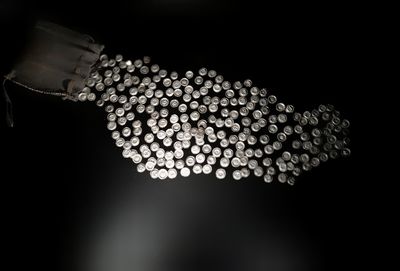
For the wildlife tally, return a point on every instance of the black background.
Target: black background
(63, 175)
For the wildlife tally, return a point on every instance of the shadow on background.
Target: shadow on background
(76, 204)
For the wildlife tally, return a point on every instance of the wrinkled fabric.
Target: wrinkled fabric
(56, 61)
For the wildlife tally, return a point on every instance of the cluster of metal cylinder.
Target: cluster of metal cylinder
(200, 123)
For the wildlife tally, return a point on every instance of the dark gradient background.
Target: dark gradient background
(73, 203)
